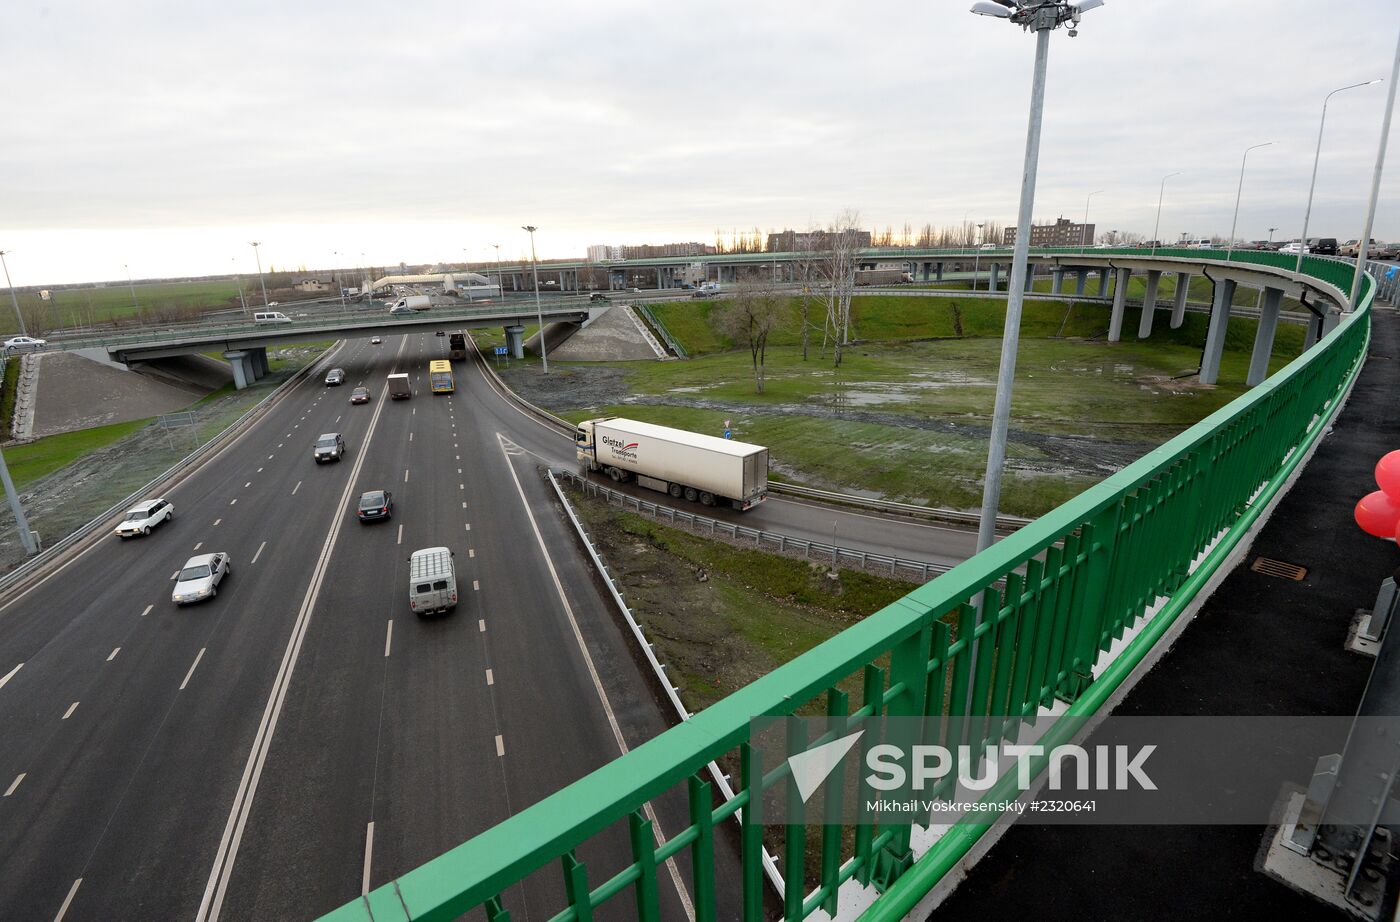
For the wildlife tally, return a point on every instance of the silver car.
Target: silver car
(199, 578)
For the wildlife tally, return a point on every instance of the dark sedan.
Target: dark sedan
(376, 504)
(359, 395)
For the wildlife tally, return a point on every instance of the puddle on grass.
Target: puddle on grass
(876, 393)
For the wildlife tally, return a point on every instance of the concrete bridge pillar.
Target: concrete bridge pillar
(1030, 277)
(1103, 283)
(1058, 280)
(515, 341)
(1269, 307)
(1183, 288)
(242, 363)
(1081, 278)
(260, 367)
(1120, 296)
(995, 278)
(938, 269)
(1149, 303)
(1215, 333)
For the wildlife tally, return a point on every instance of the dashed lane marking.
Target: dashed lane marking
(192, 668)
(72, 892)
(69, 713)
(400, 541)
(295, 488)
(113, 655)
(490, 677)
(405, 475)
(14, 784)
(500, 745)
(258, 553)
(10, 675)
(199, 545)
(481, 625)
(389, 637)
(233, 502)
(471, 552)
(147, 610)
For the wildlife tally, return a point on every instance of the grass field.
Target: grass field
(906, 416)
(71, 307)
(31, 461)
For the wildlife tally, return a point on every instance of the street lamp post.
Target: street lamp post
(1084, 228)
(1307, 213)
(469, 272)
(1271, 235)
(500, 283)
(977, 256)
(1375, 182)
(14, 298)
(339, 282)
(1230, 245)
(539, 311)
(238, 280)
(1041, 17)
(1158, 224)
(255, 244)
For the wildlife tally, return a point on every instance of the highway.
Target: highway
(276, 750)
(279, 749)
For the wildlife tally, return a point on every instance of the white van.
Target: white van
(271, 317)
(1198, 243)
(432, 581)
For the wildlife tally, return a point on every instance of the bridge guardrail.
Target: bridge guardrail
(659, 327)
(1071, 583)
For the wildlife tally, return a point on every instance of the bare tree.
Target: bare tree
(807, 273)
(841, 246)
(752, 313)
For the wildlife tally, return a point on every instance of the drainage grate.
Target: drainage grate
(1281, 569)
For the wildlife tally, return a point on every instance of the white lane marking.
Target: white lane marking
(14, 784)
(69, 713)
(147, 610)
(500, 745)
(217, 886)
(400, 541)
(259, 470)
(469, 526)
(199, 545)
(369, 853)
(175, 574)
(415, 411)
(464, 504)
(9, 675)
(476, 585)
(459, 470)
(621, 741)
(454, 444)
(481, 625)
(217, 521)
(280, 444)
(405, 475)
(337, 419)
(471, 552)
(259, 553)
(72, 892)
(270, 457)
(233, 502)
(295, 488)
(389, 637)
(410, 436)
(192, 668)
(459, 458)
(461, 486)
(490, 677)
(113, 655)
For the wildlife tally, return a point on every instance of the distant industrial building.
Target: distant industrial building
(604, 253)
(794, 241)
(1063, 233)
(312, 285)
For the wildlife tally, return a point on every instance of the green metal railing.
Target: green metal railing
(660, 328)
(1005, 633)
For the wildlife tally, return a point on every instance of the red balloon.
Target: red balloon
(1388, 475)
(1378, 515)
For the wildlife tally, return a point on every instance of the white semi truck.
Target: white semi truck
(684, 464)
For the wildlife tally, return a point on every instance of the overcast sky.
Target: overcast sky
(165, 136)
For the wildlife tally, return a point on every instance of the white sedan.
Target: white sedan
(143, 517)
(24, 344)
(199, 578)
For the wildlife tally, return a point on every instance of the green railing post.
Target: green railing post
(1091, 589)
(837, 706)
(794, 829)
(908, 680)
(702, 852)
(751, 833)
(576, 887)
(495, 912)
(644, 855)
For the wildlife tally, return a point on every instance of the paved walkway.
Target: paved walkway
(1260, 645)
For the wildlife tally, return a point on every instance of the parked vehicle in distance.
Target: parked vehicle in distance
(988, 246)
(597, 296)
(1323, 246)
(141, 518)
(399, 388)
(635, 290)
(24, 344)
(1352, 248)
(199, 578)
(456, 347)
(883, 277)
(1294, 247)
(271, 317)
(330, 446)
(432, 581)
(1388, 251)
(374, 505)
(335, 377)
(674, 461)
(413, 302)
(1197, 243)
(359, 395)
(376, 340)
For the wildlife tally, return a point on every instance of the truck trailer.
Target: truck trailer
(683, 464)
(413, 303)
(883, 277)
(399, 388)
(456, 347)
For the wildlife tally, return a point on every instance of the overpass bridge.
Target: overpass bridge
(244, 343)
(1061, 615)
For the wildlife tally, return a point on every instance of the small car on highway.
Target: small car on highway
(24, 344)
(335, 377)
(199, 578)
(359, 395)
(141, 518)
(376, 340)
(374, 505)
(329, 447)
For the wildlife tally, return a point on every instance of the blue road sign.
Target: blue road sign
(728, 434)
(1390, 273)
(501, 350)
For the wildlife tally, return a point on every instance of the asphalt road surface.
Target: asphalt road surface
(275, 751)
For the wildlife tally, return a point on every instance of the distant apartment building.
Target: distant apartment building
(312, 285)
(1063, 233)
(603, 253)
(794, 241)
